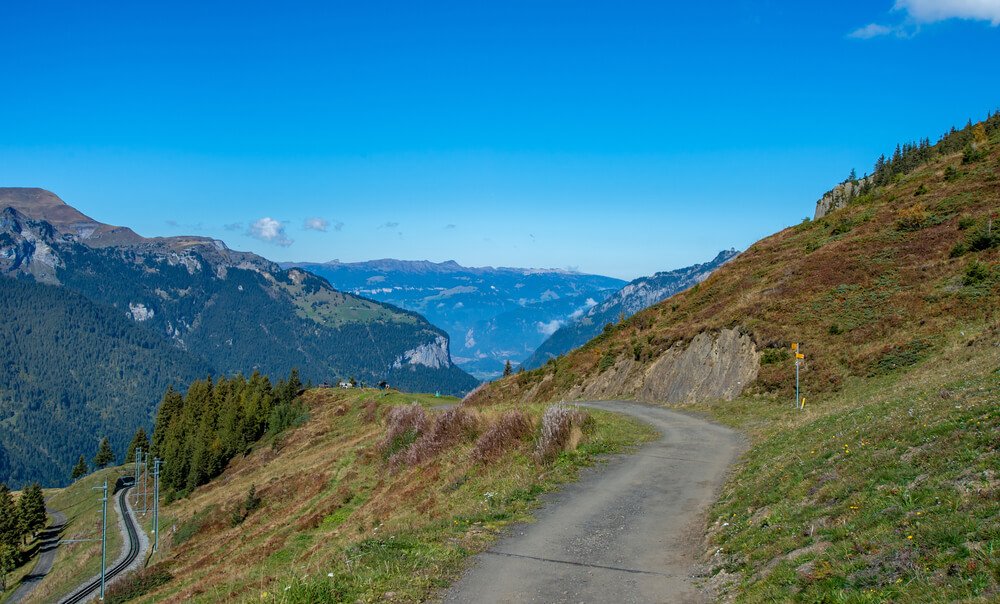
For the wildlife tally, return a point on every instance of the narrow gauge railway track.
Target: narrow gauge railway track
(87, 591)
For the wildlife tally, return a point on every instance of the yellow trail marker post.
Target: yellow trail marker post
(798, 359)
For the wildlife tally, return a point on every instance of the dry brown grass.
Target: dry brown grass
(873, 276)
(506, 433)
(327, 487)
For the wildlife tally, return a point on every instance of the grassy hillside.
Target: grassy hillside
(886, 491)
(877, 285)
(340, 517)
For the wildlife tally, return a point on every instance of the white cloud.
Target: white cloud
(316, 224)
(872, 30)
(549, 328)
(931, 11)
(270, 230)
(921, 12)
(587, 305)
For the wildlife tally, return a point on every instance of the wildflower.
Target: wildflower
(909, 537)
(329, 575)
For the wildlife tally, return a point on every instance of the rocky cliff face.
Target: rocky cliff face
(713, 365)
(839, 196)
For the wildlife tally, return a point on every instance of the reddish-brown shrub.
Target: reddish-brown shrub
(562, 428)
(511, 429)
(403, 426)
(449, 428)
(369, 411)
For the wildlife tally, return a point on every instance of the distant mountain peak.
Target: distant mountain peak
(41, 205)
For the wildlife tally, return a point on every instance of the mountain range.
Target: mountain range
(492, 314)
(98, 320)
(635, 296)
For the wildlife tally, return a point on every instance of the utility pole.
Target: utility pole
(156, 503)
(138, 460)
(145, 483)
(104, 533)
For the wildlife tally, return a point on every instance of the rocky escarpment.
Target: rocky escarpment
(840, 196)
(433, 354)
(712, 366)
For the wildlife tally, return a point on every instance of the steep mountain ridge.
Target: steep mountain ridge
(492, 314)
(638, 294)
(875, 285)
(228, 311)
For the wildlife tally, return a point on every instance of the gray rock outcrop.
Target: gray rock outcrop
(712, 366)
(839, 196)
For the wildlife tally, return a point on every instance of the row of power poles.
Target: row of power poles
(142, 467)
(141, 470)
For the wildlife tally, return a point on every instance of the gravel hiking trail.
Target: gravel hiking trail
(630, 530)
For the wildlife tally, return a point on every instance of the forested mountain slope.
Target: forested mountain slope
(73, 371)
(226, 311)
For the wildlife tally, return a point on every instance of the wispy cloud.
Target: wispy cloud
(921, 12)
(316, 224)
(233, 226)
(269, 230)
(449, 227)
(872, 30)
(931, 11)
(388, 225)
(550, 327)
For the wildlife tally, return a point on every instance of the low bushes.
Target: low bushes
(562, 429)
(511, 429)
(403, 426)
(449, 428)
(136, 584)
(412, 437)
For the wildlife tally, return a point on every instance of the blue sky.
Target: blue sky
(613, 137)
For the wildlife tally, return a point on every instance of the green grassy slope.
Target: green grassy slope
(887, 491)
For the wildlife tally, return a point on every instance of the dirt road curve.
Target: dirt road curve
(629, 531)
(48, 544)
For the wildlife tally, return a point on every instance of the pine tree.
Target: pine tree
(31, 510)
(507, 369)
(9, 554)
(9, 535)
(139, 441)
(80, 469)
(104, 454)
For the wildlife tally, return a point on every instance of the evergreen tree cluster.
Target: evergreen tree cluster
(198, 433)
(910, 156)
(19, 521)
